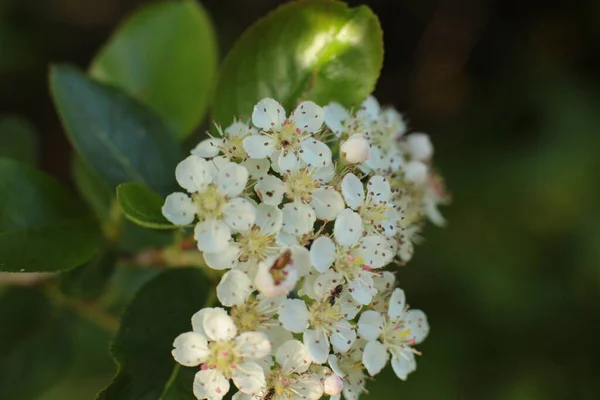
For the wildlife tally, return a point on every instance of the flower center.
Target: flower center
(301, 185)
(288, 138)
(233, 147)
(374, 214)
(395, 335)
(210, 203)
(256, 246)
(222, 357)
(279, 385)
(324, 315)
(247, 316)
(348, 265)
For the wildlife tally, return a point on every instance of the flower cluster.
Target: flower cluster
(303, 213)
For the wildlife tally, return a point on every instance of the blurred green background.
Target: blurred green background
(510, 93)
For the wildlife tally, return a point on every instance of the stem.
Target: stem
(85, 310)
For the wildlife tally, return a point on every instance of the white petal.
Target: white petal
(216, 164)
(327, 203)
(212, 235)
(333, 362)
(300, 260)
(268, 219)
(294, 315)
(403, 363)
(238, 129)
(190, 349)
(430, 208)
(335, 115)
(257, 168)
(385, 281)
(234, 288)
(416, 172)
(268, 114)
(397, 305)
(375, 357)
(287, 161)
(249, 377)
(324, 174)
(286, 239)
(306, 387)
(370, 109)
(308, 117)
(225, 259)
(193, 174)
(348, 306)
(258, 146)
(218, 325)
(353, 191)
(317, 345)
(179, 209)
(394, 122)
(362, 288)
(379, 188)
(416, 321)
(343, 337)
(293, 357)
(315, 152)
(208, 148)
(210, 384)
(419, 146)
(240, 214)
(277, 335)
(242, 396)
(198, 319)
(348, 228)
(298, 218)
(232, 179)
(333, 385)
(376, 250)
(270, 190)
(370, 325)
(322, 253)
(252, 345)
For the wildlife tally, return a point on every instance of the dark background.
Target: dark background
(510, 93)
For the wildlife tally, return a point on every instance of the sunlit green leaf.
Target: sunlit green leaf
(142, 206)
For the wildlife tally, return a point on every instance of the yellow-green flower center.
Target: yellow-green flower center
(256, 246)
(324, 315)
(223, 358)
(247, 316)
(210, 203)
(301, 184)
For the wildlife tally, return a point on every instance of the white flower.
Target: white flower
(278, 275)
(356, 149)
(348, 366)
(418, 146)
(401, 329)
(252, 246)
(416, 172)
(291, 378)
(377, 212)
(353, 255)
(215, 344)
(214, 187)
(407, 239)
(326, 319)
(435, 194)
(286, 141)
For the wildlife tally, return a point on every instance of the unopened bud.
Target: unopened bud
(419, 146)
(415, 172)
(333, 385)
(356, 149)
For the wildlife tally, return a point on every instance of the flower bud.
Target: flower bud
(356, 149)
(415, 172)
(419, 146)
(333, 385)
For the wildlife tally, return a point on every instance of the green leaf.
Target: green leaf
(318, 50)
(88, 281)
(118, 137)
(93, 190)
(142, 206)
(160, 312)
(42, 226)
(165, 55)
(35, 344)
(18, 140)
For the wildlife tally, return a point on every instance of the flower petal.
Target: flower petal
(208, 148)
(370, 325)
(315, 153)
(212, 235)
(268, 219)
(416, 321)
(334, 115)
(232, 179)
(353, 191)
(298, 218)
(397, 306)
(225, 259)
(369, 109)
(348, 228)
(268, 114)
(193, 174)
(293, 357)
(210, 384)
(376, 250)
(218, 325)
(317, 345)
(294, 315)
(234, 288)
(343, 337)
(416, 172)
(362, 288)
(403, 363)
(308, 117)
(287, 161)
(179, 209)
(252, 345)
(277, 335)
(257, 168)
(240, 214)
(379, 188)
(322, 253)
(375, 357)
(258, 146)
(270, 190)
(327, 203)
(190, 349)
(419, 146)
(249, 377)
